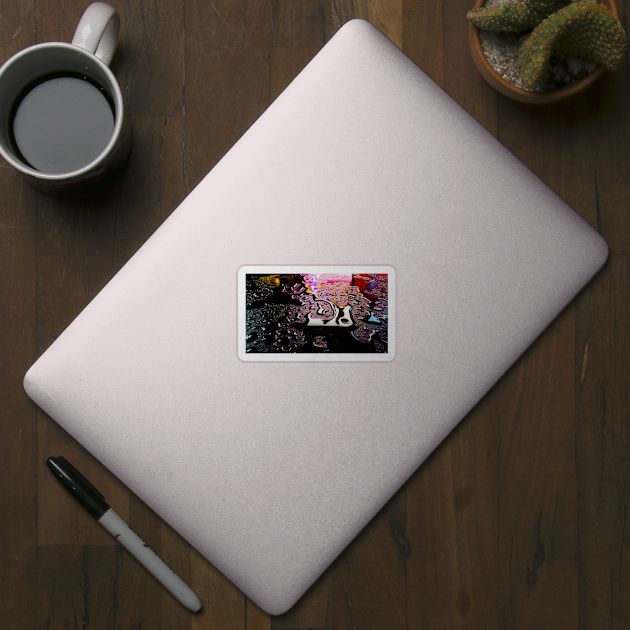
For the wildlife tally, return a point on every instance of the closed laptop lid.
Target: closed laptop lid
(316, 316)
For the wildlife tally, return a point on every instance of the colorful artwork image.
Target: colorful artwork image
(331, 312)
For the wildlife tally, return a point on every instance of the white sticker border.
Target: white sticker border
(336, 269)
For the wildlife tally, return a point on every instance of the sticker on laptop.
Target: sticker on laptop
(316, 313)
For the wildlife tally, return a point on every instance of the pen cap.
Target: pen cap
(78, 486)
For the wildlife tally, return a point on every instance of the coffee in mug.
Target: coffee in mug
(65, 128)
(62, 122)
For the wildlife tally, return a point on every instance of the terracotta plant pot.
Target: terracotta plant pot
(512, 91)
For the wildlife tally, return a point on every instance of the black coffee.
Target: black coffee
(62, 123)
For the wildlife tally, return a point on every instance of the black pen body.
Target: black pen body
(78, 486)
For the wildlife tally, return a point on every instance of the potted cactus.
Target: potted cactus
(557, 48)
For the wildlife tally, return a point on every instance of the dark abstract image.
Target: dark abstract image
(316, 313)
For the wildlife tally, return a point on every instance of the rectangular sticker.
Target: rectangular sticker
(316, 313)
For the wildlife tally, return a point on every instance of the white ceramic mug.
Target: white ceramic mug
(86, 58)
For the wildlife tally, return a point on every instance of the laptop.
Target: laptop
(316, 316)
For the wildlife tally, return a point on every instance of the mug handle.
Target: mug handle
(98, 30)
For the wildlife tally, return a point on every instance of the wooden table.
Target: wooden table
(518, 520)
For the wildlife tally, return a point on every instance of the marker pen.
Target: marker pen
(94, 502)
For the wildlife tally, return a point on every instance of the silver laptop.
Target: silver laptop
(317, 315)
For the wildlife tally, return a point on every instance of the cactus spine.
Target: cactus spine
(583, 29)
(513, 16)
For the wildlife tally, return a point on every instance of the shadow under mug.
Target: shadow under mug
(87, 57)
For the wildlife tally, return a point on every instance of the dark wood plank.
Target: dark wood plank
(74, 257)
(255, 618)
(17, 27)
(151, 604)
(152, 185)
(608, 126)
(154, 57)
(285, 64)
(575, 147)
(452, 527)
(76, 587)
(461, 78)
(608, 138)
(141, 600)
(558, 147)
(303, 23)
(171, 159)
(386, 15)
(603, 444)
(226, 78)
(60, 519)
(369, 587)
(57, 22)
(312, 611)
(422, 36)
(567, 145)
(224, 606)
(537, 509)
(18, 416)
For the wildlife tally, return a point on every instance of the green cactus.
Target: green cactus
(583, 29)
(513, 16)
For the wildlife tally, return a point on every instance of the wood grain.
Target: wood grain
(386, 15)
(76, 587)
(226, 78)
(609, 135)
(154, 57)
(518, 520)
(18, 324)
(18, 416)
(224, 606)
(369, 578)
(153, 606)
(602, 381)
(422, 36)
(304, 23)
(285, 64)
(60, 520)
(151, 187)
(537, 537)
(452, 526)
(461, 79)
(313, 610)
